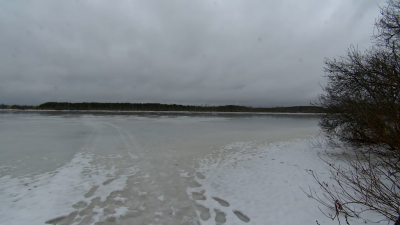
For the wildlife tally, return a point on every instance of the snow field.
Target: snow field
(256, 184)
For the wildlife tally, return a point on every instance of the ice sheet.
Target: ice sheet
(152, 169)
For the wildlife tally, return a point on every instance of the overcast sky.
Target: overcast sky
(249, 52)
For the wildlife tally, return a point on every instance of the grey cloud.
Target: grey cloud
(259, 53)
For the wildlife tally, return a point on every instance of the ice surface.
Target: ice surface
(157, 169)
(39, 198)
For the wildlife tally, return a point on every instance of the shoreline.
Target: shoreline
(161, 112)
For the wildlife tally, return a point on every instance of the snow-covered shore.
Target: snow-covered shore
(247, 182)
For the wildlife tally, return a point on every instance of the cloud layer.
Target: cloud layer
(256, 53)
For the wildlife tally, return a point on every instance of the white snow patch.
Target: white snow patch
(183, 174)
(119, 156)
(100, 217)
(120, 211)
(121, 199)
(173, 211)
(132, 156)
(263, 184)
(140, 193)
(35, 199)
(141, 207)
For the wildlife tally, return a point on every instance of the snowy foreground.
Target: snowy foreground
(243, 183)
(263, 184)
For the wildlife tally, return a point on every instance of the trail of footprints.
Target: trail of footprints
(84, 211)
(220, 216)
(138, 202)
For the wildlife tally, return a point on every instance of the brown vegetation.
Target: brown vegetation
(362, 99)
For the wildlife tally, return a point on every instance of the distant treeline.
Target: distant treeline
(2, 106)
(167, 107)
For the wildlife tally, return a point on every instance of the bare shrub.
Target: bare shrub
(362, 102)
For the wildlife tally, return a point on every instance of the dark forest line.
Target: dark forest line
(162, 107)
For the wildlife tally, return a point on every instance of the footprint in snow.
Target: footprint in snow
(241, 216)
(198, 196)
(109, 180)
(204, 212)
(220, 218)
(224, 203)
(200, 175)
(91, 192)
(221, 202)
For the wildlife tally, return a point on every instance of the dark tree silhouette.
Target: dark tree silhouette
(362, 102)
(172, 107)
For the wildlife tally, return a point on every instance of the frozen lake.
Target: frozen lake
(148, 168)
